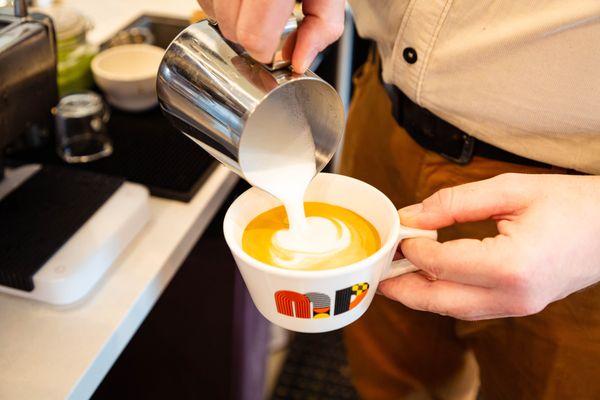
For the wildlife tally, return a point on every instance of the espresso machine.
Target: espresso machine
(28, 85)
(60, 228)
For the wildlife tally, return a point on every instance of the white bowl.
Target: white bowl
(127, 75)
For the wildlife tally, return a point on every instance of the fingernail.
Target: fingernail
(428, 276)
(303, 67)
(309, 60)
(410, 211)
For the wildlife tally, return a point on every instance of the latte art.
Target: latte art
(332, 237)
(321, 239)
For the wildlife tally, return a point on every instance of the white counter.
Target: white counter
(110, 15)
(56, 353)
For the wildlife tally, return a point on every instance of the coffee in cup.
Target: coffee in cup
(334, 237)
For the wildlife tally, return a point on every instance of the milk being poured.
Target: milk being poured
(277, 154)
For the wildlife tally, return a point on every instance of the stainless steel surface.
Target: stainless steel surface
(28, 88)
(210, 89)
(283, 54)
(20, 8)
(343, 67)
(134, 35)
(343, 74)
(163, 29)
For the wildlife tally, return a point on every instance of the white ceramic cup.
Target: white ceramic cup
(324, 300)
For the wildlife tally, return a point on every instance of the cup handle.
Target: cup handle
(403, 266)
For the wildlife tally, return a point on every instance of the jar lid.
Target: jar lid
(68, 22)
(79, 105)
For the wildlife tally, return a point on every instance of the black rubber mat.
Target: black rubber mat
(147, 150)
(38, 217)
(315, 369)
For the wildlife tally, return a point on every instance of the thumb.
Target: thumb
(496, 197)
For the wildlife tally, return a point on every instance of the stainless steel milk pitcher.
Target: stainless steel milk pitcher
(210, 89)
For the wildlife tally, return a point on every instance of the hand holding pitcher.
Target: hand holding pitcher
(257, 25)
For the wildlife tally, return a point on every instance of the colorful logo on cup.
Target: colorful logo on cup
(318, 305)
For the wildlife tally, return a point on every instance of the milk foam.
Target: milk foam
(320, 240)
(335, 237)
(277, 154)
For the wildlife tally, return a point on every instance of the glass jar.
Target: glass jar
(81, 135)
(74, 52)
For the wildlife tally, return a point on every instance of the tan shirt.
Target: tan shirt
(522, 75)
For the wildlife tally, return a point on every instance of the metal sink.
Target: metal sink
(162, 29)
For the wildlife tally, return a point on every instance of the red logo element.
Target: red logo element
(292, 304)
(318, 305)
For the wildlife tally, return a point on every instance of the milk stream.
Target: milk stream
(277, 154)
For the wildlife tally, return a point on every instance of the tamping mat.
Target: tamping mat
(40, 216)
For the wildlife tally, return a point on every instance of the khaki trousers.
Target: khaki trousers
(398, 353)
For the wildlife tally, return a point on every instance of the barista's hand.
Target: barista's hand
(548, 247)
(257, 26)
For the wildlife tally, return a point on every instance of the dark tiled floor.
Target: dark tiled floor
(315, 369)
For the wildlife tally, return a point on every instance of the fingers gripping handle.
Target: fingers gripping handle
(403, 266)
(399, 267)
(282, 57)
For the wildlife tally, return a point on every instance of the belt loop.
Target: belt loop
(466, 154)
(373, 56)
(397, 110)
